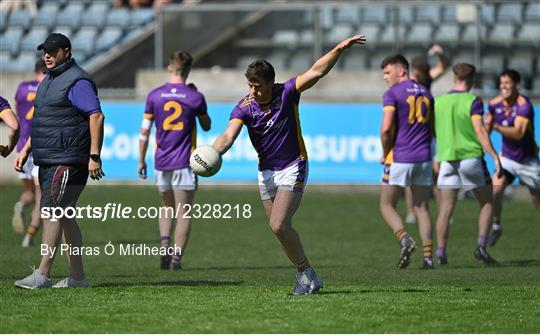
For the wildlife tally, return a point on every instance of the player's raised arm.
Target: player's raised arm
(226, 140)
(438, 70)
(10, 120)
(324, 64)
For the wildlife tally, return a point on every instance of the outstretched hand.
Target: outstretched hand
(349, 42)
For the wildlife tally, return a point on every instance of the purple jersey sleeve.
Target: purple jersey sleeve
(149, 107)
(477, 107)
(525, 111)
(84, 97)
(238, 113)
(203, 109)
(4, 104)
(389, 99)
(290, 88)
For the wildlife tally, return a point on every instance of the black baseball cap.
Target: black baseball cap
(54, 42)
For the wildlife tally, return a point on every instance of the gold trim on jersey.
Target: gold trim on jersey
(476, 117)
(247, 101)
(389, 108)
(496, 100)
(148, 116)
(6, 110)
(301, 144)
(237, 120)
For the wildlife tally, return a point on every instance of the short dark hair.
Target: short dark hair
(512, 74)
(260, 70)
(40, 66)
(465, 72)
(181, 61)
(395, 59)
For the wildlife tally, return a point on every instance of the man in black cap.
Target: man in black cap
(66, 140)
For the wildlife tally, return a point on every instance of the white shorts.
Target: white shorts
(468, 174)
(30, 170)
(408, 174)
(183, 179)
(527, 172)
(293, 178)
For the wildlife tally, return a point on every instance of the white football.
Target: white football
(205, 161)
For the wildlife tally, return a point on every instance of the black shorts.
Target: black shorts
(61, 185)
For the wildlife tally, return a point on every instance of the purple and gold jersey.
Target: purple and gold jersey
(526, 148)
(25, 96)
(274, 128)
(173, 108)
(413, 121)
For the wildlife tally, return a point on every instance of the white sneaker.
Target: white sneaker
(70, 282)
(35, 280)
(410, 218)
(17, 222)
(27, 241)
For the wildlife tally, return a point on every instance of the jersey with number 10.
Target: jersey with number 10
(25, 96)
(413, 105)
(173, 108)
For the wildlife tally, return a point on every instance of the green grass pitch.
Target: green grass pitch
(237, 279)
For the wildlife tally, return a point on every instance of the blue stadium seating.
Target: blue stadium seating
(428, 13)
(95, 15)
(285, 37)
(338, 31)
(447, 33)
(530, 33)
(34, 38)
(510, 12)
(118, 17)
(532, 12)
(20, 18)
(301, 60)
(420, 33)
(84, 41)
(375, 13)
(47, 14)
(108, 38)
(141, 16)
(64, 30)
(502, 32)
(11, 39)
(3, 21)
(25, 61)
(71, 14)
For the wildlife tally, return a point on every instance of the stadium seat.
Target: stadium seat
(371, 31)
(449, 13)
(492, 64)
(521, 62)
(21, 18)
(447, 32)
(338, 33)
(83, 42)
(487, 11)
(470, 33)
(118, 17)
(46, 15)
(326, 16)
(11, 39)
(108, 38)
(406, 14)
(141, 16)
(285, 37)
(306, 36)
(34, 38)
(25, 61)
(347, 14)
(510, 12)
(278, 59)
(428, 13)
(301, 60)
(95, 15)
(532, 12)
(501, 32)
(71, 15)
(355, 60)
(389, 34)
(530, 33)
(5, 60)
(375, 14)
(420, 33)
(64, 30)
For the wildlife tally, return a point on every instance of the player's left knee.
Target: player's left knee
(278, 227)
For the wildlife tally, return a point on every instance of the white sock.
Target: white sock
(496, 226)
